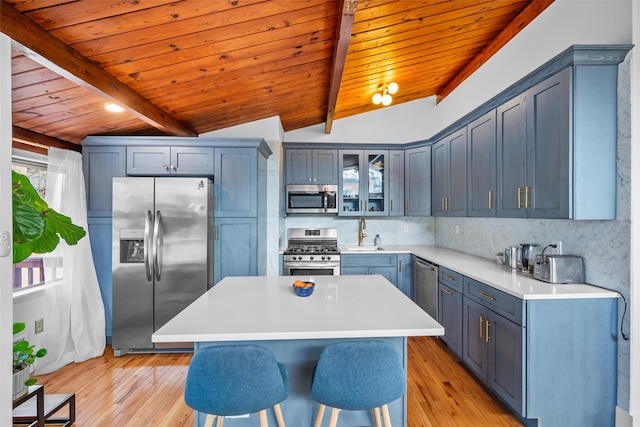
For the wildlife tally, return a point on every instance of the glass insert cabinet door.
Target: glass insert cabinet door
(363, 184)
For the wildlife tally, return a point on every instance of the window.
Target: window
(30, 272)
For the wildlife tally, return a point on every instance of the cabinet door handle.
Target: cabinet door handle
(446, 203)
(486, 331)
(447, 277)
(391, 203)
(216, 205)
(490, 197)
(446, 291)
(309, 179)
(174, 168)
(442, 204)
(489, 297)
(166, 168)
(481, 321)
(216, 236)
(527, 190)
(400, 265)
(519, 192)
(406, 205)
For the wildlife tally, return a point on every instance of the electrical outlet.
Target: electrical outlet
(457, 229)
(558, 249)
(39, 325)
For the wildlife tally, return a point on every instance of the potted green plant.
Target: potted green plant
(24, 355)
(36, 229)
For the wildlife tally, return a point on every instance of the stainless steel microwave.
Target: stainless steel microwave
(312, 198)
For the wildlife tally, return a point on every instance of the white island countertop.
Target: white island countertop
(489, 272)
(266, 308)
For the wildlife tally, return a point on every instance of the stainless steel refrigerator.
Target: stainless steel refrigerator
(162, 254)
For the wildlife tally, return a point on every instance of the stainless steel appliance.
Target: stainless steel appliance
(559, 269)
(312, 198)
(162, 254)
(511, 256)
(426, 286)
(526, 257)
(312, 252)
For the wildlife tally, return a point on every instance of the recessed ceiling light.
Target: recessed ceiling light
(114, 108)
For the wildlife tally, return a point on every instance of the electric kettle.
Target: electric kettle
(526, 257)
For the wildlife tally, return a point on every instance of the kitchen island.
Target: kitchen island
(265, 311)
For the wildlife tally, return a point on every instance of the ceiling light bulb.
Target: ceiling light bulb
(386, 100)
(377, 98)
(114, 108)
(392, 88)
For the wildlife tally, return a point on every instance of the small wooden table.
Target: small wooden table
(37, 412)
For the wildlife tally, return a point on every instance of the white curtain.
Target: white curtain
(73, 308)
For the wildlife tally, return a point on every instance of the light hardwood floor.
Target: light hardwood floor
(146, 390)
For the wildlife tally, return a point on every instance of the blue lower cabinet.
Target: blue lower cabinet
(383, 264)
(235, 247)
(405, 274)
(100, 238)
(450, 316)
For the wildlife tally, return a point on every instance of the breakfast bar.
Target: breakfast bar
(266, 311)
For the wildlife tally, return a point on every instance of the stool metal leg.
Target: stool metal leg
(279, 417)
(334, 417)
(385, 416)
(320, 415)
(376, 416)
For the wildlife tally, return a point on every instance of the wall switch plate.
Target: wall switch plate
(39, 325)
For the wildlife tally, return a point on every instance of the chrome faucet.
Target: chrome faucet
(361, 235)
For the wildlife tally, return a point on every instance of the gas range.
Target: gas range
(312, 251)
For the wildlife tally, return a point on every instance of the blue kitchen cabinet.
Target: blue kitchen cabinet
(168, 160)
(100, 164)
(383, 264)
(313, 167)
(363, 184)
(482, 166)
(405, 274)
(450, 317)
(492, 348)
(236, 182)
(100, 232)
(417, 181)
(396, 182)
(235, 247)
(449, 175)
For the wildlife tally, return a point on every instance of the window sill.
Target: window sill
(31, 292)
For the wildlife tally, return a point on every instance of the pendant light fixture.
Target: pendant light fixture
(383, 95)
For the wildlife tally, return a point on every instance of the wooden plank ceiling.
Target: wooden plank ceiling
(193, 66)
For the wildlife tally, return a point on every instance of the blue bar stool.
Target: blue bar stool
(236, 380)
(358, 375)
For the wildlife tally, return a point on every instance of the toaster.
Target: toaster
(559, 268)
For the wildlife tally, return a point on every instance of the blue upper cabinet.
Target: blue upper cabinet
(449, 170)
(163, 160)
(396, 182)
(317, 167)
(363, 186)
(236, 182)
(417, 181)
(100, 164)
(481, 158)
(549, 140)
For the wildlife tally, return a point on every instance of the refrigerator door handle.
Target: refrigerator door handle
(157, 256)
(147, 244)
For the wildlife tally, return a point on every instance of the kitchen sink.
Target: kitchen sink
(362, 248)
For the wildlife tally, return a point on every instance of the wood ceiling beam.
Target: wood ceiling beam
(39, 45)
(343, 36)
(527, 15)
(25, 139)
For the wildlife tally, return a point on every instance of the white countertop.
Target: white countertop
(499, 276)
(266, 308)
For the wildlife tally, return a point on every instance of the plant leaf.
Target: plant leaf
(18, 327)
(62, 224)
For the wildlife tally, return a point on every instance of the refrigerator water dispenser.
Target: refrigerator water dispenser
(131, 245)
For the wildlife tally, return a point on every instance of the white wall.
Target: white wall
(6, 263)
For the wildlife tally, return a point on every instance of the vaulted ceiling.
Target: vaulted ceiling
(192, 66)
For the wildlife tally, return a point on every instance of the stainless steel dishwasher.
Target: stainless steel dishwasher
(426, 286)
